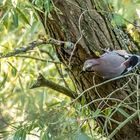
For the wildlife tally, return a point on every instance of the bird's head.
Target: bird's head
(89, 65)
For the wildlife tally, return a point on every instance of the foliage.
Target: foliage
(126, 14)
(40, 113)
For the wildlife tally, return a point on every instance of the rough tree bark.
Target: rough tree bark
(80, 22)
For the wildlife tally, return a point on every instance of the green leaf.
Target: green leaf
(23, 16)
(83, 100)
(82, 136)
(23, 135)
(47, 6)
(118, 19)
(44, 136)
(96, 113)
(14, 70)
(4, 16)
(15, 18)
(4, 80)
(123, 112)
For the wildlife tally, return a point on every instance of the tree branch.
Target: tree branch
(42, 82)
(32, 45)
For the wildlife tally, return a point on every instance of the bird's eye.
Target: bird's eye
(89, 66)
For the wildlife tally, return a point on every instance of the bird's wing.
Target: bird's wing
(123, 53)
(112, 59)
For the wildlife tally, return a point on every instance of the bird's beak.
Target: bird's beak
(83, 69)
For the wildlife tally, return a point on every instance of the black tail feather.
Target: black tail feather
(133, 63)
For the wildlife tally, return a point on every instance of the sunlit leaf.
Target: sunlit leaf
(23, 16)
(15, 19)
(14, 70)
(82, 136)
(44, 136)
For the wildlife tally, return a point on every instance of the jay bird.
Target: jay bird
(112, 64)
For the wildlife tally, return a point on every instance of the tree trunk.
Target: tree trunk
(80, 22)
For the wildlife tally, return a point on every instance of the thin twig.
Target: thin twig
(23, 50)
(121, 88)
(105, 82)
(138, 97)
(122, 124)
(39, 59)
(31, 46)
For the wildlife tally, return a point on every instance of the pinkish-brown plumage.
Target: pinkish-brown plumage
(111, 64)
